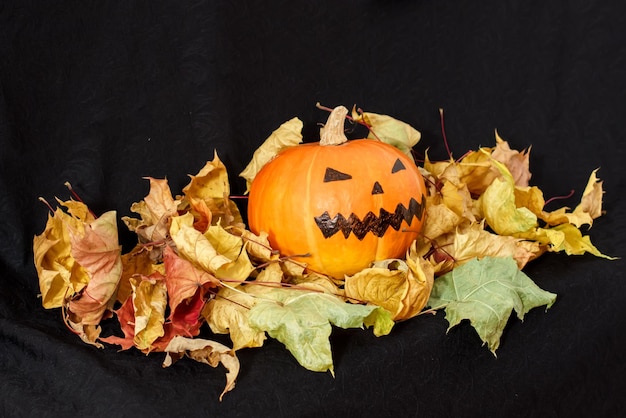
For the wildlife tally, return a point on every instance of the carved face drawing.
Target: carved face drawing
(376, 224)
(342, 206)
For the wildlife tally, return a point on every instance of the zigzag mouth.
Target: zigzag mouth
(377, 225)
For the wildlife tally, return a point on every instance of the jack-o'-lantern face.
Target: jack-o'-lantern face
(376, 224)
(338, 208)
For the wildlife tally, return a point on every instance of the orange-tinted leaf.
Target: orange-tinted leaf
(99, 253)
(186, 287)
(60, 276)
(516, 162)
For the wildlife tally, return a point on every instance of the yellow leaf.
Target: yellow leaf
(475, 242)
(589, 208)
(574, 243)
(390, 130)
(499, 208)
(287, 135)
(257, 246)
(591, 202)
(403, 290)
(230, 246)
(477, 171)
(58, 272)
(458, 199)
(227, 313)
(440, 220)
(155, 210)
(211, 182)
(149, 300)
(195, 247)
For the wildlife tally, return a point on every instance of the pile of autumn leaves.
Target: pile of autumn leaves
(196, 263)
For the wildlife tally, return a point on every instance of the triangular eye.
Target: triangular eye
(398, 166)
(334, 175)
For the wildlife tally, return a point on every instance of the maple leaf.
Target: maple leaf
(257, 246)
(473, 241)
(137, 261)
(516, 162)
(302, 321)
(230, 246)
(207, 195)
(440, 219)
(126, 318)
(207, 352)
(195, 247)
(499, 207)
(486, 292)
(227, 313)
(149, 302)
(155, 210)
(589, 208)
(286, 135)
(186, 286)
(390, 130)
(59, 274)
(401, 287)
(97, 250)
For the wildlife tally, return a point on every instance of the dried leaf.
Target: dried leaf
(227, 313)
(195, 247)
(302, 321)
(390, 130)
(204, 351)
(401, 288)
(287, 135)
(500, 210)
(516, 162)
(186, 287)
(155, 210)
(59, 274)
(486, 292)
(149, 303)
(568, 238)
(475, 242)
(99, 253)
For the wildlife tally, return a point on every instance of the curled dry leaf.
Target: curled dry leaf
(390, 130)
(401, 287)
(59, 274)
(287, 135)
(207, 352)
(97, 250)
(516, 162)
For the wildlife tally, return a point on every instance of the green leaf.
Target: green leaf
(302, 322)
(485, 292)
(390, 130)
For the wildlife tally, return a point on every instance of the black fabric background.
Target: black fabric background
(101, 94)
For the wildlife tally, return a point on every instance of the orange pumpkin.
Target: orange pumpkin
(338, 205)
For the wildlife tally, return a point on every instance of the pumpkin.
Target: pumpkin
(338, 205)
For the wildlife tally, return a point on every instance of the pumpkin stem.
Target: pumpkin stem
(332, 133)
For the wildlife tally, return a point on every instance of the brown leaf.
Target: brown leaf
(207, 352)
(155, 210)
(517, 162)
